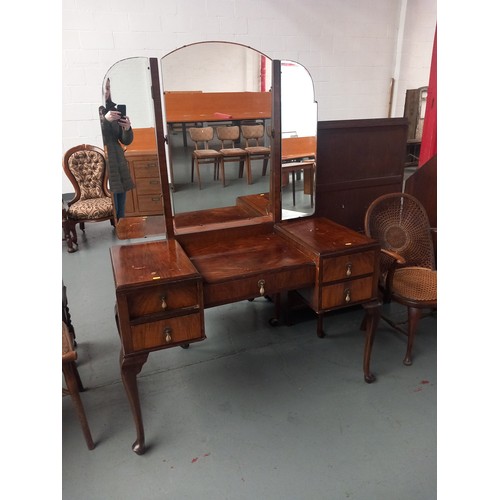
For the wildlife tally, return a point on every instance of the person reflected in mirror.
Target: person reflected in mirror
(116, 133)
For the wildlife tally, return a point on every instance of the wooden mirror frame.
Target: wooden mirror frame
(274, 203)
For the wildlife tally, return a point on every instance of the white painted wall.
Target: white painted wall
(349, 47)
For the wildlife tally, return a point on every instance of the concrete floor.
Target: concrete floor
(252, 412)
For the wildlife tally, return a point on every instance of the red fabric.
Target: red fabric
(428, 147)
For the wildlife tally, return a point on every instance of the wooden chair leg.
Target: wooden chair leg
(414, 315)
(223, 172)
(69, 228)
(264, 167)
(198, 174)
(74, 384)
(249, 170)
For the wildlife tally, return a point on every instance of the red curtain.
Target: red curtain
(428, 147)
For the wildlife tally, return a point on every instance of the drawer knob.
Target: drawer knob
(261, 284)
(163, 302)
(347, 297)
(168, 336)
(348, 270)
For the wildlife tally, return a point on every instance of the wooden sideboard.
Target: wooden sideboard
(142, 158)
(163, 287)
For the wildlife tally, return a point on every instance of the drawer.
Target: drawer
(348, 266)
(164, 298)
(146, 168)
(148, 185)
(250, 287)
(167, 332)
(150, 203)
(346, 293)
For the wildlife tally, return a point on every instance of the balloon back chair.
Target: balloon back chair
(85, 167)
(408, 274)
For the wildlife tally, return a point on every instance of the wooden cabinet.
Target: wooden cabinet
(146, 197)
(159, 297)
(356, 162)
(142, 158)
(346, 265)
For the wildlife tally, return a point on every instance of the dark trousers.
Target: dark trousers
(120, 199)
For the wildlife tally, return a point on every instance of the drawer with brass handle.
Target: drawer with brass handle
(148, 185)
(346, 293)
(348, 266)
(165, 298)
(169, 332)
(146, 168)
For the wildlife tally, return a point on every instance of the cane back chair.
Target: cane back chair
(398, 221)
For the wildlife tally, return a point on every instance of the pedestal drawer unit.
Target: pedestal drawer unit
(346, 264)
(159, 297)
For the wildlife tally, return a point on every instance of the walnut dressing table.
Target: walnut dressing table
(163, 287)
(228, 254)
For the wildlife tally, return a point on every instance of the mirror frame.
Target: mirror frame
(274, 205)
(275, 173)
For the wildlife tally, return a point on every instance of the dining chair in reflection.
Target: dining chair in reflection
(254, 145)
(203, 153)
(228, 137)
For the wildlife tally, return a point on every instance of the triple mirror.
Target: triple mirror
(216, 85)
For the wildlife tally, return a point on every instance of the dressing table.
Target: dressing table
(233, 253)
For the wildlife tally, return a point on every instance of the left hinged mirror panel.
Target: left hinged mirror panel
(127, 117)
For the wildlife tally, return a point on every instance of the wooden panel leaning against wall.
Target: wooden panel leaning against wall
(357, 161)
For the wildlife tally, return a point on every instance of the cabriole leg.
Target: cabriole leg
(130, 368)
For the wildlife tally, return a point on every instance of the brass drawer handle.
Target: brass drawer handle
(163, 303)
(347, 296)
(261, 284)
(167, 332)
(348, 271)
(154, 181)
(152, 165)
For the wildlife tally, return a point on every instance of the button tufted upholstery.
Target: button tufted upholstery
(85, 167)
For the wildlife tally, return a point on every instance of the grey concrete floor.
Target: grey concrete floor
(252, 412)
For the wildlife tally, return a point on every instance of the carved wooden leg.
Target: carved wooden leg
(74, 385)
(414, 316)
(69, 228)
(370, 323)
(130, 368)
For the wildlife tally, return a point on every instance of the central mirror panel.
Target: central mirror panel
(212, 90)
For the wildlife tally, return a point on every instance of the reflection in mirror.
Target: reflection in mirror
(130, 85)
(298, 147)
(211, 85)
